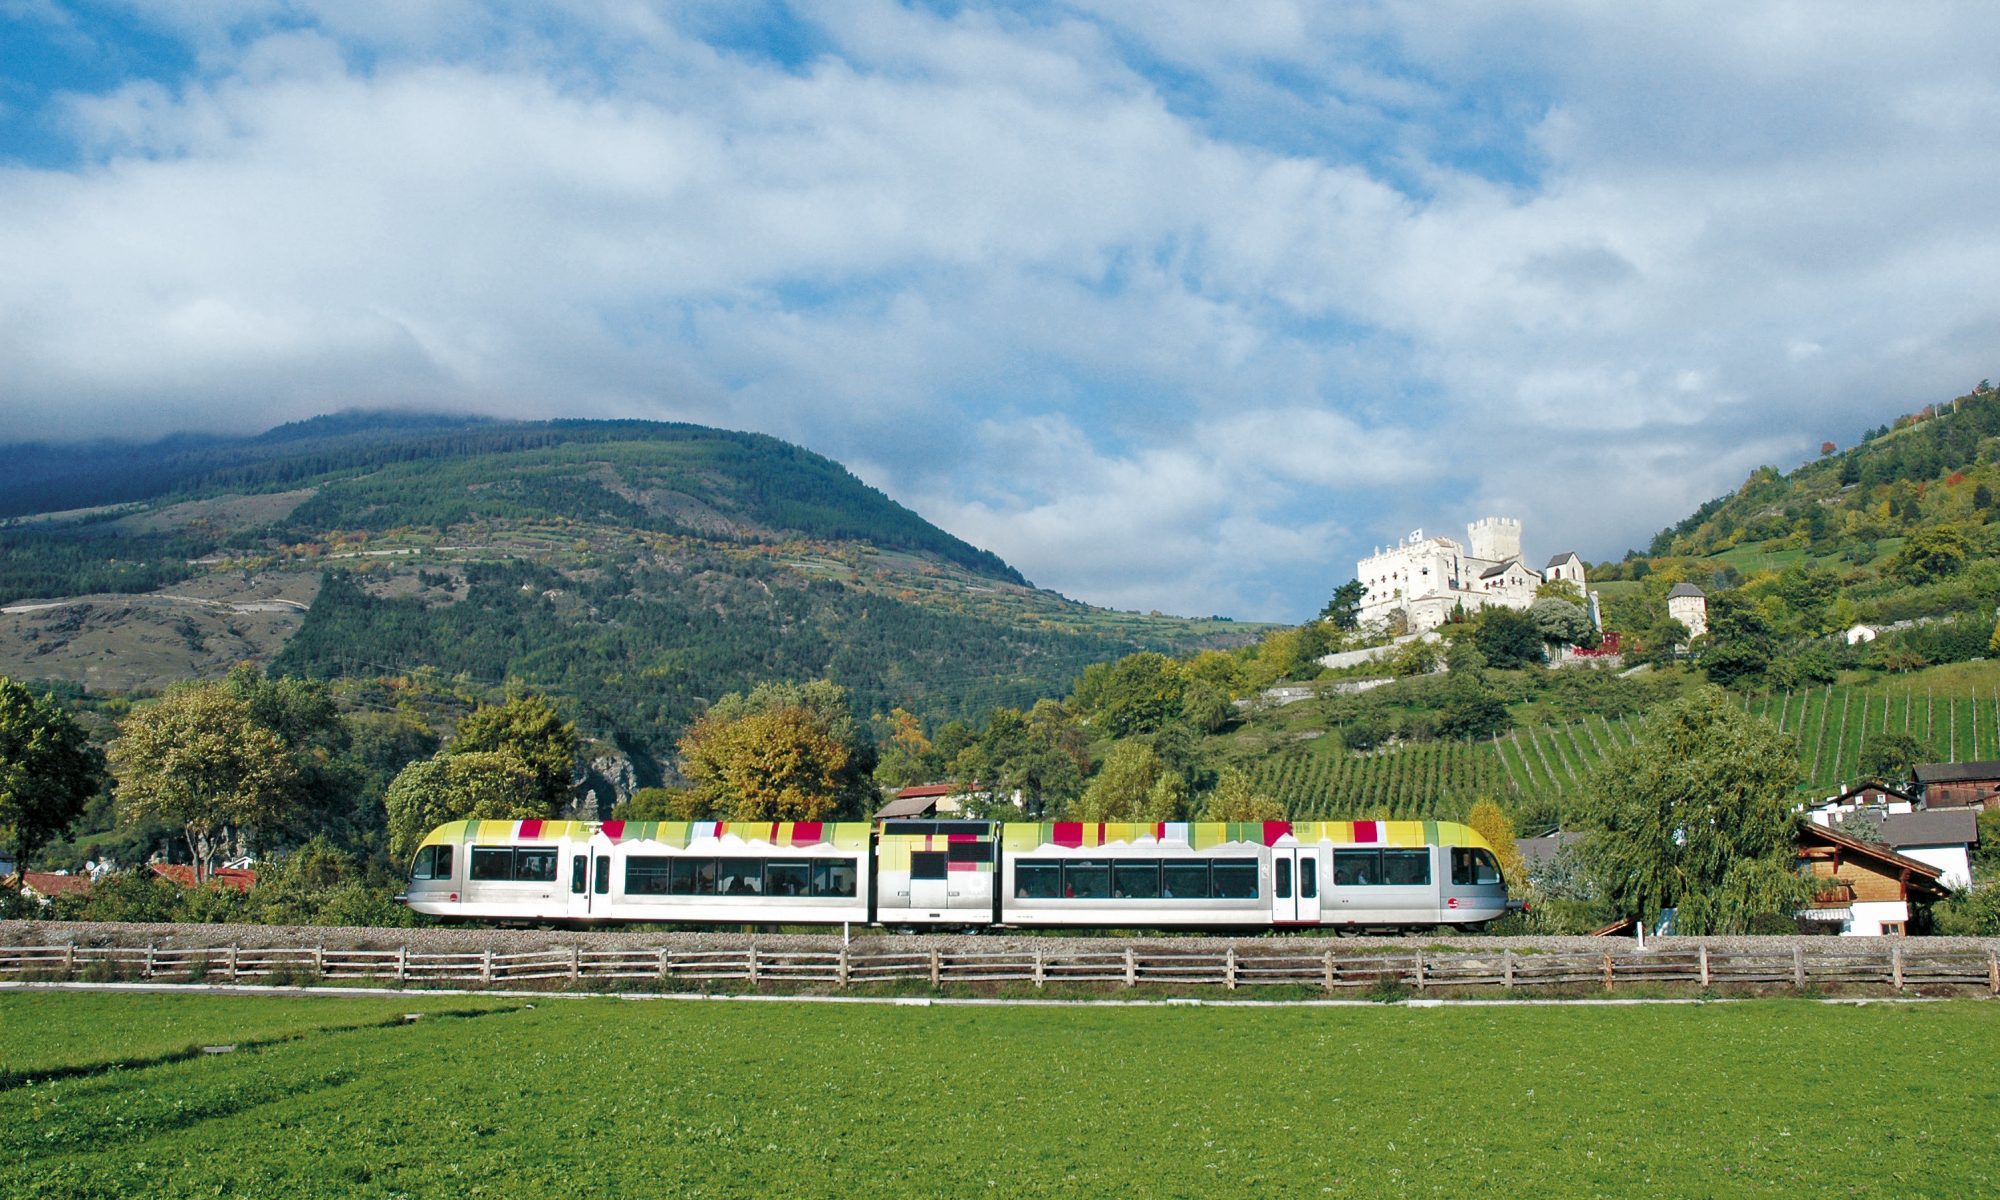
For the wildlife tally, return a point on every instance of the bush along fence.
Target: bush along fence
(1897, 964)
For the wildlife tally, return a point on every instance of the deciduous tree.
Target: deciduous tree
(529, 728)
(198, 759)
(1696, 814)
(48, 770)
(784, 752)
(481, 785)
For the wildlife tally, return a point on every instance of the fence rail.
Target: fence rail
(1900, 966)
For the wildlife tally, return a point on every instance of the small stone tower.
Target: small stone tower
(1494, 539)
(1688, 605)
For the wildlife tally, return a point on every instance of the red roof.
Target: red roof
(231, 877)
(48, 883)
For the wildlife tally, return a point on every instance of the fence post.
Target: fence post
(232, 962)
(1039, 975)
(402, 963)
(1131, 969)
(486, 967)
(1607, 970)
(1507, 967)
(936, 976)
(1329, 973)
(1993, 971)
(663, 964)
(1798, 966)
(1896, 965)
(148, 974)
(841, 971)
(753, 964)
(69, 955)
(1229, 969)
(1420, 970)
(1704, 964)
(319, 960)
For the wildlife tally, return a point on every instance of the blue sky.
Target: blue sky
(1174, 305)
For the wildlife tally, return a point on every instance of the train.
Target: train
(1350, 876)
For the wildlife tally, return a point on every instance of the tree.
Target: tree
(48, 771)
(1696, 814)
(1344, 610)
(1560, 622)
(478, 785)
(198, 759)
(1891, 757)
(1133, 785)
(1235, 800)
(530, 729)
(783, 752)
(1420, 656)
(1488, 821)
(1559, 589)
(1930, 553)
(1507, 637)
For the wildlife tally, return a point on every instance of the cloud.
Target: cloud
(1174, 305)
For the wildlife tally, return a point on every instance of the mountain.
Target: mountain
(638, 569)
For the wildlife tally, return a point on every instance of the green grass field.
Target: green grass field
(605, 1098)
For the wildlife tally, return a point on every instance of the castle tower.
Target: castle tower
(1494, 539)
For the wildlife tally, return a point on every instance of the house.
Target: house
(1856, 634)
(234, 878)
(1538, 853)
(928, 800)
(1943, 837)
(1958, 785)
(1864, 889)
(1567, 566)
(47, 885)
(1871, 795)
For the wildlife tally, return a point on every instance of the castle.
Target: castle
(1426, 578)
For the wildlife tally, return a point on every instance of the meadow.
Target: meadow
(592, 1097)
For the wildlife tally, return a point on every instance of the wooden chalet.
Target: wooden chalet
(1959, 785)
(1864, 889)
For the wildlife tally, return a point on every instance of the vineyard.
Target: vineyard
(1554, 763)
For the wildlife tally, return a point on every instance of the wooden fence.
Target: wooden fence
(1899, 965)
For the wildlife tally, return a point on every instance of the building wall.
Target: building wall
(1691, 611)
(1956, 794)
(1952, 860)
(1869, 916)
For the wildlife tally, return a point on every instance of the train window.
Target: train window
(1037, 880)
(426, 865)
(1281, 877)
(442, 870)
(1473, 868)
(603, 884)
(1184, 881)
(535, 866)
(1137, 879)
(692, 877)
(929, 864)
(1406, 867)
(648, 876)
(788, 878)
(1308, 878)
(492, 866)
(1086, 880)
(970, 852)
(1356, 868)
(740, 877)
(1234, 878)
(833, 877)
(576, 873)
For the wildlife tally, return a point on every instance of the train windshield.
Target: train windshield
(1474, 868)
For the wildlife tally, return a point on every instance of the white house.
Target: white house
(1943, 837)
(1688, 604)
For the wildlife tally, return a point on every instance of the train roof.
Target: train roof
(1015, 835)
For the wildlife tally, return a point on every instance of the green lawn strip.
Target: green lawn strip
(600, 1098)
(54, 1032)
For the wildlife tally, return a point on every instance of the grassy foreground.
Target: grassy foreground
(606, 1098)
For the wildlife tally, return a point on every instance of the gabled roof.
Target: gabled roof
(935, 789)
(907, 806)
(1500, 568)
(1867, 785)
(1686, 589)
(1935, 827)
(1919, 876)
(53, 883)
(1564, 557)
(1965, 772)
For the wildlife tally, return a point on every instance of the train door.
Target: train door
(930, 881)
(589, 878)
(1294, 885)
